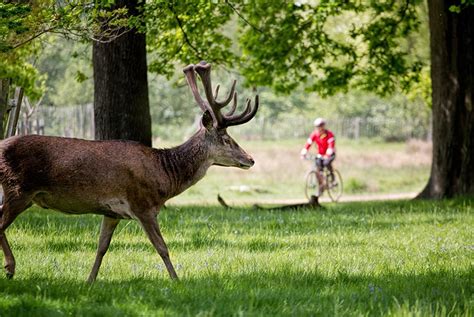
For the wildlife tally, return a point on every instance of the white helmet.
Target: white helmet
(319, 122)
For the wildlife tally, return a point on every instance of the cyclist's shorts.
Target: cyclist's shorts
(320, 162)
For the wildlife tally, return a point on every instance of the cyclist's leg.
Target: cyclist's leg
(318, 169)
(328, 164)
(319, 174)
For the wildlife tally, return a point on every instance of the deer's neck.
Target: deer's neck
(185, 164)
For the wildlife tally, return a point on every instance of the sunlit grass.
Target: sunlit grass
(398, 258)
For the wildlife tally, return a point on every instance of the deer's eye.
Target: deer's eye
(226, 141)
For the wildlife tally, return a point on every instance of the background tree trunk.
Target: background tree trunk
(121, 105)
(452, 75)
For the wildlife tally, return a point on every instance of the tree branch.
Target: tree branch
(243, 18)
(34, 37)
(186, 38)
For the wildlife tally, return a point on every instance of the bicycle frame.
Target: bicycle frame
(326, 180)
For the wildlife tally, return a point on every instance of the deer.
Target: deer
(119, 179)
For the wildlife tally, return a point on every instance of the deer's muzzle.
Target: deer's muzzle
(247, 163)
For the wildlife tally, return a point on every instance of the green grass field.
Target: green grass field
(353, 259)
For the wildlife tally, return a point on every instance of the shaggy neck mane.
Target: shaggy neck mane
(186, 164)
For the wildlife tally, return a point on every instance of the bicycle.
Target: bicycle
(333, 184)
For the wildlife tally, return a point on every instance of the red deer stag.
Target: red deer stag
(118, 179)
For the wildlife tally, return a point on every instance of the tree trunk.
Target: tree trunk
(121, 106)
(452, 76)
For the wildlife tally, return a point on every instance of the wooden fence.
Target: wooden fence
(78, 121)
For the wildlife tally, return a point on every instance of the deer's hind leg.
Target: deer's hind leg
(14, 204)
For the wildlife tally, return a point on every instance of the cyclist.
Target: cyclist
(326, 150)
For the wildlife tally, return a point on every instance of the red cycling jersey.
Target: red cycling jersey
(325, 141)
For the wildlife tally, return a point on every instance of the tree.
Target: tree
(121, 105)
(17, 30)
(452, 76)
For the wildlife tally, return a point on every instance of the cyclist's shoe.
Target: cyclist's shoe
(332, 181)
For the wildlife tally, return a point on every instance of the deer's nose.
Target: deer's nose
(252, 162)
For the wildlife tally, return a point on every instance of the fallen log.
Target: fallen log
(313, 203)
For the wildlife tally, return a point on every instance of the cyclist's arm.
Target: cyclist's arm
(331, 144)
(310, 141)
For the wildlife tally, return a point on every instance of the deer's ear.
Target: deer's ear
(207, 121)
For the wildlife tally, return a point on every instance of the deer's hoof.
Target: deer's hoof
(10, 270)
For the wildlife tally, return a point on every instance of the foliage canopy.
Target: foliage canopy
(326, 46)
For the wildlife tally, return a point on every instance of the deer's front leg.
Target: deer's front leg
(106, 231)
(150, 225)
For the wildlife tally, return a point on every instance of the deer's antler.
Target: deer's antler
(212, 105)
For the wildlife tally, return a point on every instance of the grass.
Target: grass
(368, 167)
(378, 258)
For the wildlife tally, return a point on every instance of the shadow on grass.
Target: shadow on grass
(282, 292)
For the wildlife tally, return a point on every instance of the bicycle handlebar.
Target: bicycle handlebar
(311, 157)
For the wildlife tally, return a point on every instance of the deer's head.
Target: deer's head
(223, 149)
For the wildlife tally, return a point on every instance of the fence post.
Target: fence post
(4, 87)
(14, 112)
(357, 128)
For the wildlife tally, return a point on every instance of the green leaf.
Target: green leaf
(455, 9)
(80, 77)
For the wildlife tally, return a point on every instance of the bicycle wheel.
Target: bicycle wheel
(334, 186)
(312, 185)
